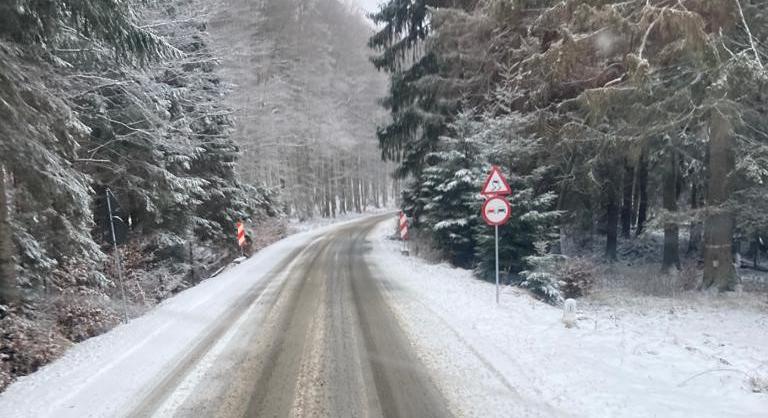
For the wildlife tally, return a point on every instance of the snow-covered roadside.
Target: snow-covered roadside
(102, 375)
(644, 357)
(296, 226)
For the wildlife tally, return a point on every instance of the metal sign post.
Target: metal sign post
(496, 210)
(118, 262)
(496, 227)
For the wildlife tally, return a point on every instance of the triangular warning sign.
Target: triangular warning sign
(496, 184)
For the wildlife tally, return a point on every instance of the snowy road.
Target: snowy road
(315, 339)
(336, 322)
(301, 329)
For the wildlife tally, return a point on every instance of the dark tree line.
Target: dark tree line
(638, 116)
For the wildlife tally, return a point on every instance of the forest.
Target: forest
(306, 104)
(630, 130)
(633, 134)
(184, 117)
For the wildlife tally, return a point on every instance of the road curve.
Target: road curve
(315, 339)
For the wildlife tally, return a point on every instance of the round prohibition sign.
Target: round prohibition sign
(496, 211)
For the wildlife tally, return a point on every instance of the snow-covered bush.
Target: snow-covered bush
(758, 384)
(542, 278)
(5, 373)
(577, 277)
(690, 275)
(80, 317)
(532, 220)
(25, 345)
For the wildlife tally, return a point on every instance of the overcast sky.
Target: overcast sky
(369, 5)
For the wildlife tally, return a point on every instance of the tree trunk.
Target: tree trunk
(611, 195)
(612, 223)
(642, 183)
(626, 204)
(757, 252)
(671, 230)
(385, 190)
(364, 193)
(8, 289)
(358, 198)
(332, 186)
(694, 233)
(719, 224)
(343, 181)
(375, 187)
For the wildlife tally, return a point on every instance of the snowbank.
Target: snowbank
(642, 357)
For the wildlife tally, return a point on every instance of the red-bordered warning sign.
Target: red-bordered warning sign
(496, 211)
(240, 234)
(496, 184)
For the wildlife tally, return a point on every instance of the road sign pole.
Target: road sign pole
(118, 262)
(497, 264)
(496, 209)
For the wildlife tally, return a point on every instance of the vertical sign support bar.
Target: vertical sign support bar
(497, 263)
(118, 265)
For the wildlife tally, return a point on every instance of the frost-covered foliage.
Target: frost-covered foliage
(166, 132)
(448, 196)
(306, 103)
(84, 314)
(26, 345)
(627, 111)
(532, 220)
(576, 277)
(542, 278)
(49, 201)
(556, 277)
(447, 201)
(118, 95)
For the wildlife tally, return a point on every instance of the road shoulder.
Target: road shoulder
(517, 359)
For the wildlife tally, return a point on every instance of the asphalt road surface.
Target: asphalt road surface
(315, 339)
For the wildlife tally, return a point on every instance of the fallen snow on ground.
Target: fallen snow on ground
(295, 225)
(103, 376)
(630, 356)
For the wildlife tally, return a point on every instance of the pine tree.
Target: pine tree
(532, 219)
(542, 279)
(449, 192)
(719, 225)
(422, 96)
(110, 21)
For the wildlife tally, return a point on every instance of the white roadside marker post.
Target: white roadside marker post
(569, 313)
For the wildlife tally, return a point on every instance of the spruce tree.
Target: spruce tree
(449, 193)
